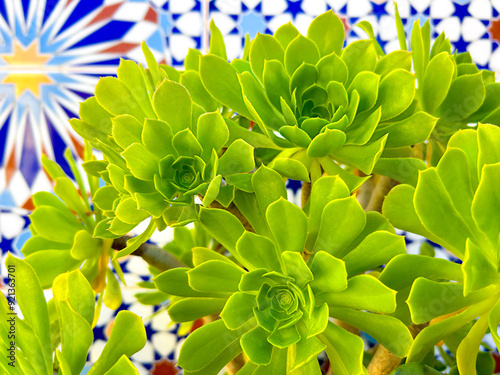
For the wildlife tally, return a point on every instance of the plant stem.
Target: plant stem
(154, 255)
(306, 192)
(382, 187)
(383, 361)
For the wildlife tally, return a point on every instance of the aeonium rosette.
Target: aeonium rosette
(285, 277)
(325, 107)
(160, 150)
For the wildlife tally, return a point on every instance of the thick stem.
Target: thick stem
(306, 192)
(154, 255)
(381, 189)
(383, 361)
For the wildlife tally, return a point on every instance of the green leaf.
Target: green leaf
(128, 212)
(29, 343)
(222, 226)
(331, 68)
(269, 187)
(142, 163)
(126, 130)
(128, 336)
(325, 143)
(307, 349)
(284, 337)
(259, 251)
(363, 157)
(212, 133)
(228, 90)
(153, 67)
(382, 328)
(264, 48)
(486, 203)
(468, 349)
(112, 293)
(376, 249)
(48, 264)
(297, 268)
(258, 103)
(409, 131)
(366, 84)
(74, 288)
(191, 80)
(456, 105)
(327, 31)
(344, 349)
(285, 34)
(329, 273)
(206, 343)
(215, 276)
(255, 345)
(432, 334)
(288, 224)
(33, 306)
(76, 336)
(136, 241)
(341, 221)
(175, 282)
(157, 137)
(359, 56)
(172, 103)
(432, 203)
(132, 75)
(392, 61)
(396, 93)
(55, 224)
(238, 310)
(217, 45)
(123, 366)
(363, 292)
(404, 170)
(291, 168)
(276, 82)
(444, 298)
(403, 269)
(399, 208)
(186, 144)
(324, 190)
(238, 158)
(478, 269)
(117, 99)
(494, 321)
(437, 81)
(300, 50)
(415, 369)
(94, 114)
(212, 191)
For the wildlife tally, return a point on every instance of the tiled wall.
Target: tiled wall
(52, 53)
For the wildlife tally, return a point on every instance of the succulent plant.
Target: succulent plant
(64, 325)
(161, 150)
(456, 205)
(289, 274)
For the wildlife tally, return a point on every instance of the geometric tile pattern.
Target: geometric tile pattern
(52, 53)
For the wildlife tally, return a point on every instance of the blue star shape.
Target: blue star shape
(294, 8)
(461, 45)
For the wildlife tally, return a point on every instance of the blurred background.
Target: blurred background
(52, 53)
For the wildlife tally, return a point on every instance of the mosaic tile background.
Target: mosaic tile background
(52, 53)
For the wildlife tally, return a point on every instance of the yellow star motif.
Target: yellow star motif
(26, 61)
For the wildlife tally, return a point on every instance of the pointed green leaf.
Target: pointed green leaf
(288, 223)
(172, 103)
(264, 47)
(327, 31)
(359, 56)
(238, 158)
(217, 45)
(238, 310)
(300, 50)
(215, 276)
(255, 345)
(341, 221)
(329, 273)
(437, 81)
(396, 93)
(259, 251)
